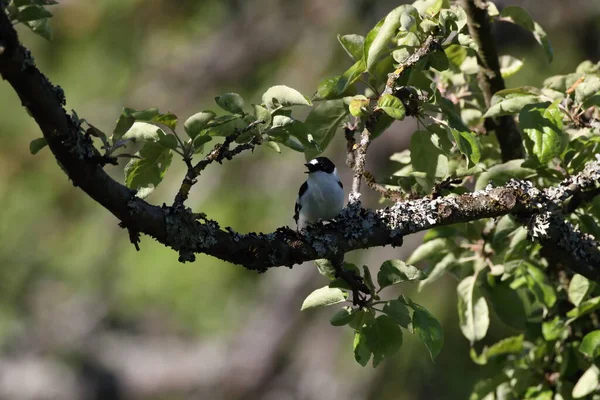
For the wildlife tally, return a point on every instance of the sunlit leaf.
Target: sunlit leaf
(353, 45)
(197, 122)
(544, 129)
(473, 310)
(148, 170)
(323, 297)
(231, 102)
(590, 344)
(284, 96)
(588, 383)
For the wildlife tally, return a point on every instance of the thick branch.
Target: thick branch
(490, 79)
(355, 228)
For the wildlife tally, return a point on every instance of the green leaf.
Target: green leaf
(508, 305)
(498, 351)
(397, 310)
(231, 102)
(41, 27)
(262, 114)
(467, 144)
(393, 272)
(511, 101)
(145, 173)
(293, 144)
(328, 88)
(465, 140)
(368, 278)
(384, 338)
(363, 318)
(32, 13)
(456, 54)
(362, 354)
(553, 329)
(284, 96)
(383, 122)
(37, 144)
(359, 106)
(224, 125)
(325, 268)
(520, 17)
(473, 310)
(323, 122)
(430, 7)
(197, 122)
(200, 141)
(438, 270)
(509, 66)
(392, 106)
(439, 60)
(588, 383)
(588, 88)
(169, 119)
(323, 297)
(428, 328)
(585, 307)
(349, 77)
(427, 158)
(538, 283)
(590, 345)
(123, 123)
(544, 129)
(353, 45)
(143, 131)
(579, 288)
(343, 316)
(168, 141)
(433, 249)
(378, 40)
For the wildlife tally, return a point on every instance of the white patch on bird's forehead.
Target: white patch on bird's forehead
(314, 161)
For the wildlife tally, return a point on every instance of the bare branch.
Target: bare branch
(220, 152)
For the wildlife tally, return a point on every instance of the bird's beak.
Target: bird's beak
(309, 166)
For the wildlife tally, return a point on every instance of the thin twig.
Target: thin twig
(220, 152)
(360, 159)
(390, 194)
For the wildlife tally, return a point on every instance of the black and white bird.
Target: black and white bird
(321, 196)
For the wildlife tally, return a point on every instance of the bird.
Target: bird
(321, 196)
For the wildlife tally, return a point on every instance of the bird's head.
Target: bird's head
(320, 164)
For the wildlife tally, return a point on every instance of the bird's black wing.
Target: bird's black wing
(340, 183)
(298, 207)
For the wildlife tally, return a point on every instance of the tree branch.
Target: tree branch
(220, 152)
(356, 228)
(490, 79)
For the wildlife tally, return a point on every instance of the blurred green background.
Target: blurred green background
(85, 316)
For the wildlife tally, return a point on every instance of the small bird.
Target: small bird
(321, 196)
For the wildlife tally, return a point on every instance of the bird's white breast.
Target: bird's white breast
(324, 198)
